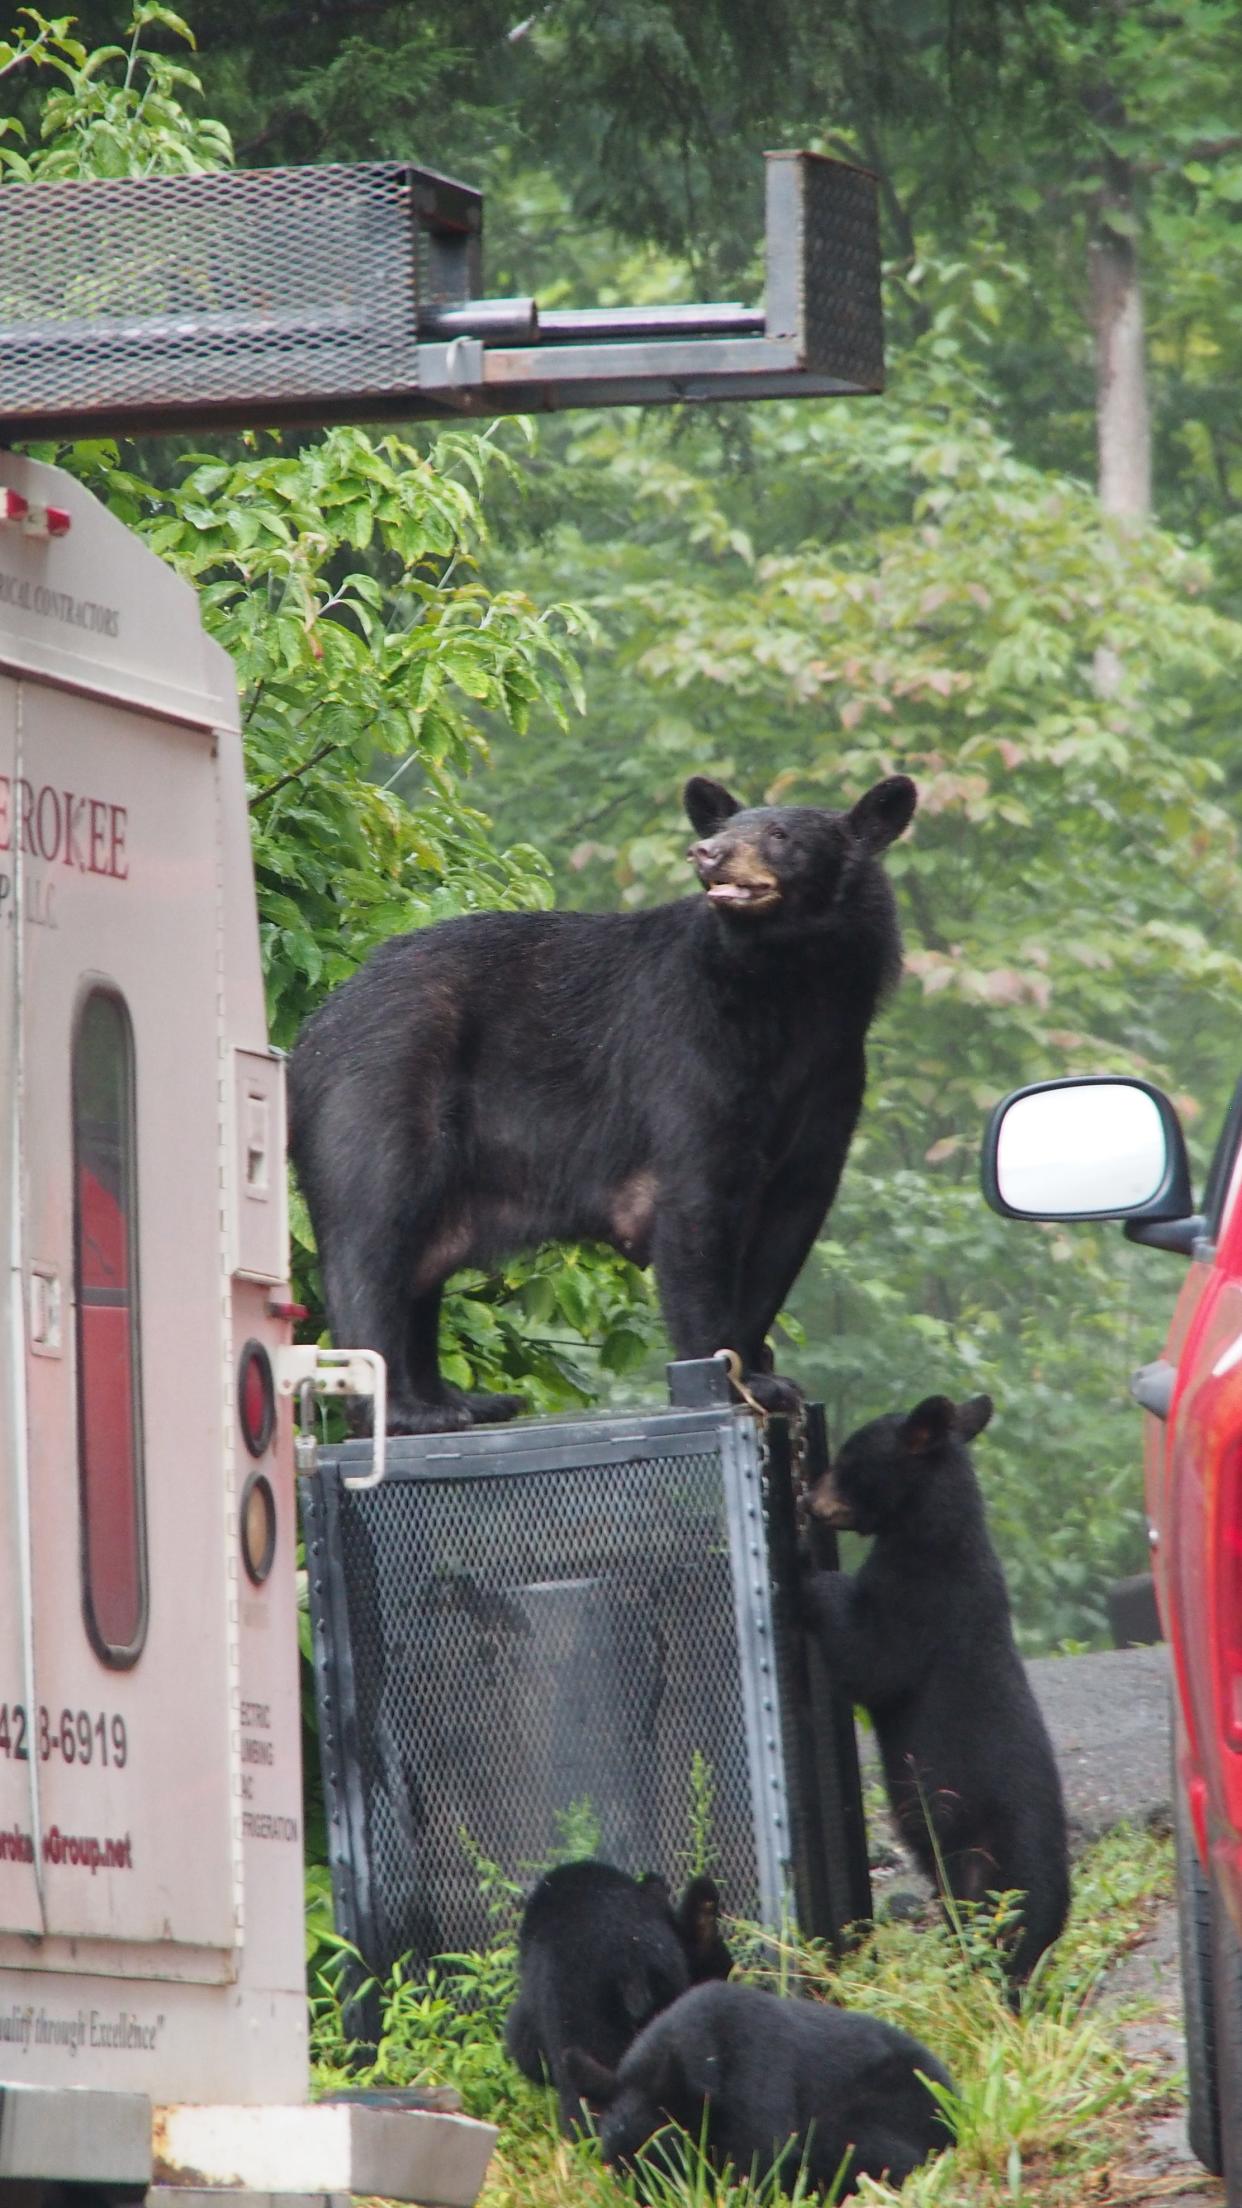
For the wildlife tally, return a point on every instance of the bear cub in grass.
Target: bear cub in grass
(681, 1082)
(599, 1954)
(769, 2083)
(921, 1636)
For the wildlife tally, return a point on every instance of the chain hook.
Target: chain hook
(305, 1446)
(733, 1366)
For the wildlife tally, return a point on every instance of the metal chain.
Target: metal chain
(797, 1422)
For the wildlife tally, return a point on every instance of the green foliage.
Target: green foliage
(115, 111)
(701, 1853)
(446, 2030)
(343, 582)
(578, 1832)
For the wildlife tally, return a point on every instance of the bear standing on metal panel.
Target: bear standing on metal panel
(681, 1082)
(920, 1635)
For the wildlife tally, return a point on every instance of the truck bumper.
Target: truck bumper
(304, 2156)
(74, 2132)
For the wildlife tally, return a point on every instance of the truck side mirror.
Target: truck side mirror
(1091, 1148)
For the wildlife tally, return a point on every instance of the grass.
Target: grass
(1046, 2101)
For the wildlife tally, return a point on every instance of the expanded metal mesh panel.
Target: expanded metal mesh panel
(236, 290)
(843, 324)
(515, 1643)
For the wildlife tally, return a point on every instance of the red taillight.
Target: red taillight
(13, 507)
(256, 1398)
(1229, 1596)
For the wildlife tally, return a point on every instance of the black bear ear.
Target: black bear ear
(654, 1888)
(589, 2078)
(708, 804)
(698, 1919)
(930, 1425)
(973, 1416)
(879, 818)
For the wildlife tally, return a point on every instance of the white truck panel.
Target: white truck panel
(165, 1843)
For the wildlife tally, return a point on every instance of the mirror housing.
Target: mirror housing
(1113, 1149)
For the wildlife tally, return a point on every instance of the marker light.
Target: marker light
(258, 1527)
(34, 521)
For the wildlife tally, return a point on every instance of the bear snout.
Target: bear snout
(826, 1502)
(733, 874)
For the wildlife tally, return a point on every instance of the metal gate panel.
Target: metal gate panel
(521, 1623)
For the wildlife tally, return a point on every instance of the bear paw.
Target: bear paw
(492, 1410)
(772, 1394)
(427, 1418)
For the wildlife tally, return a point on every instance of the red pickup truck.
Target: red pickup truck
(1105, 1148)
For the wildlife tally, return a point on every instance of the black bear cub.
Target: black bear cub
(599, 1954)
(921, 1636)
(772, 2084)
(681, 1082)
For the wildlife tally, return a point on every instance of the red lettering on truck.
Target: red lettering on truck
(85, 833)
(87, 1852)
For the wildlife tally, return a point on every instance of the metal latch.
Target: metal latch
(46, 1311)
(257, 1133)
(305, 1371)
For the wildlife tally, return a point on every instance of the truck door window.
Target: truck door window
(110, 1469)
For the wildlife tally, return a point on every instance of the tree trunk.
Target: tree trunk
(1123, 426)
(1122, 420)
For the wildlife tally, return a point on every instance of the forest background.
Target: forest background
(476, 671)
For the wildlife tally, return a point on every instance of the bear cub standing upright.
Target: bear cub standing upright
(601, 1953)
(773, 2084)
(921, 1636)
(681, 1082)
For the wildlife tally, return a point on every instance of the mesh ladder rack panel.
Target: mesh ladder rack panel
(204, 293)
(519, 1621)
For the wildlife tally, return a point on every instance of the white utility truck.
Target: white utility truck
(153, 2024)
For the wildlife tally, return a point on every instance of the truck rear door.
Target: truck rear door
(114, 817)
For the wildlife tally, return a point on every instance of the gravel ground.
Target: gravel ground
(1108, 1717)
(1109, 1720)
(1160, 2164)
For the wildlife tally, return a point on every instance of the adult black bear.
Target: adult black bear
(600, 1954)
(772, 2083)
(681, 1082)
(920, 1635)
